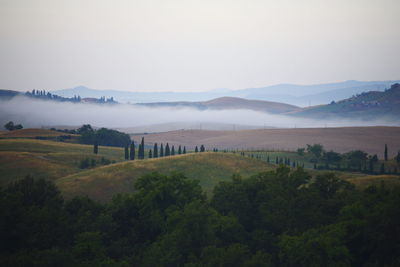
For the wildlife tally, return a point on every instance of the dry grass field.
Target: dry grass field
(209, 168)
(344, 139)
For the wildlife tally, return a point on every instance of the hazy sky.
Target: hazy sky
(179, 45)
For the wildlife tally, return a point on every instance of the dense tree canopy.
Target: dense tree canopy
(275, 218)
(103, 136)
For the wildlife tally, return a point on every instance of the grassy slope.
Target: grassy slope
(46, 159)
(209, 168)
(59, 162)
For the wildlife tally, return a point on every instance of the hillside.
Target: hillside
(294, 94)
(47, 159)
(230, 103)
(340, 139)
(209, 168)
(367, 105)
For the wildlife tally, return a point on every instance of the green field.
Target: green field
(209, 168)
(59, 161)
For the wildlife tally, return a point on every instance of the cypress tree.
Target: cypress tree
(126, 152)
(142, 148)
(179, 150)
(162, 150)
(155, 151)
(398, 157)
(202, 148)
(150, 154)
(386, 152)
(184, 150)
(276, 160)
(139, 151)
(132, 153)
(196, 149)
(167, 151)
(172, 151)
(95, 147)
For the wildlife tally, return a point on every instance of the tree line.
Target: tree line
(155, 151)
(275, 218)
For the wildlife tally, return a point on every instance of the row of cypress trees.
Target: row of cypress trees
(155, 152)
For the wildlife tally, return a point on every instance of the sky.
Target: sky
(187, 45)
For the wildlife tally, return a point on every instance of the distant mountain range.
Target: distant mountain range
(299, 95)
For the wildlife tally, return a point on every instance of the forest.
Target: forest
(281, 217)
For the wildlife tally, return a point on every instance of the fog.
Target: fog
(40, 113)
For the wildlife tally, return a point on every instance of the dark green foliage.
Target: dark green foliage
(372, 161)
(95, 147)
(386, 152)
(398, 157)
(275, 218)
(196, 149)
(103, 136)
(141, 149)
(11, 126)
(173, 151)
(155, 151)
(300, 151)
(179, 150)
(85, 163)
(162, 151)
(150, 154)
(126, 152)
(382, 170)
(184, 150)
(132, 151)
(167, 150)
(202, 148)
(316, 150)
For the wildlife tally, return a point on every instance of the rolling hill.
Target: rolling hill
(209, 168)
(368, 105)
(299, 95)
(340, 139)
(231, 103)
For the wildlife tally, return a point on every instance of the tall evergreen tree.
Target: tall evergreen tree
(167, 150)
(126, 152)
(196, 149)
(95, 147)
(140, 151)
(150, 154)
(155, 151)
(162, 150)
(184, 150)
(142, 148)
(132, 152)
(173, 151)
(179, 150)
(386, 152)
(202, 148)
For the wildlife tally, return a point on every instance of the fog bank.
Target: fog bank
(38, 113)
